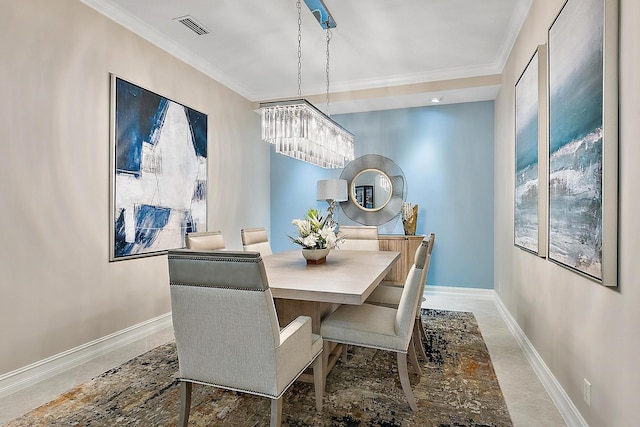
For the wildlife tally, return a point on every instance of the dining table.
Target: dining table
(316, 290)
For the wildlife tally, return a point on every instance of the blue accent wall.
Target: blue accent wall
(446, 153)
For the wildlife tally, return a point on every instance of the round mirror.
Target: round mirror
(371, 189)
(377, 188)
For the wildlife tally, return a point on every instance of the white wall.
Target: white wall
(581, 329)
(58, 289)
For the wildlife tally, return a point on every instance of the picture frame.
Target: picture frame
(360, 195)
(583, 139)
(369, 201)
(530, 192)
(365, 196)
(158, 172)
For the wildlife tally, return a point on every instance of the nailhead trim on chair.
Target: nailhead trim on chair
(200, 285)
(255, 392)
(217, 259)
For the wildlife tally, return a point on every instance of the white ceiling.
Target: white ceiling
(403, 46)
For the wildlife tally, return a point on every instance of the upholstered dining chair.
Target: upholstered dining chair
(362, 238)
(255, 240)
(210, 240)
(227, 331)
(358, 238)
(390, 295)
(380, 327)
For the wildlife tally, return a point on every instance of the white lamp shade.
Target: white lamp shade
(332, 189)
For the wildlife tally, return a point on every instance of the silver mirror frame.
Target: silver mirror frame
(392, 208)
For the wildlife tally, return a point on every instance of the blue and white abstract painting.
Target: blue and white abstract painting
(576, 136)
(526, 179)
(160, 172)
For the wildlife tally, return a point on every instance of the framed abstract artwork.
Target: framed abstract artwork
(530, 198)
(583, 139)
(159, 172)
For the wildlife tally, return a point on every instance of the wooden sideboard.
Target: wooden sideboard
(407, 246)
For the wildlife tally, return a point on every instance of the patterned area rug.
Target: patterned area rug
(458, 388)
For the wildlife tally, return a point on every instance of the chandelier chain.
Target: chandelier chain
(299, 50)
(327, 69)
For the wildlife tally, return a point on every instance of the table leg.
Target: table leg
(289, 309)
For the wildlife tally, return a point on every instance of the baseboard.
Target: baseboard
(565, 406)
(452, 290)
(47, 368)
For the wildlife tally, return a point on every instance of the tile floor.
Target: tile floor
(527, 400)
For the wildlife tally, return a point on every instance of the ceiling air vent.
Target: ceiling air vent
(193, 25)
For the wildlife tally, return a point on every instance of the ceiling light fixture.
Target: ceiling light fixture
(296, 127)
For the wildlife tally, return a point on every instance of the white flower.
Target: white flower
(304, 226)
(310, 240)
(331, 240)
(314, 232)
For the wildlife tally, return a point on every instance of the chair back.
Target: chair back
(209, 240)
(255, 240)
(428, 242)
(360, 238)
(431, 241)
(224, 319)
(412, 291)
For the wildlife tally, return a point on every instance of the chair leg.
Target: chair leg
(318, 381)
(418, 333)
(404, 380)
(185, 403)
(326, 349)
(414, 358)
(276, 412)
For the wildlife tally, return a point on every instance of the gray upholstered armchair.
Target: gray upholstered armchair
(227, 333)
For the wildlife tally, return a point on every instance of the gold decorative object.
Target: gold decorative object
(409, 218)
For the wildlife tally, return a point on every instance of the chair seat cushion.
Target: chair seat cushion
(385, 295)
(364, 325)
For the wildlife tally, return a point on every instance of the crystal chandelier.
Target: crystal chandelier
(300, 130)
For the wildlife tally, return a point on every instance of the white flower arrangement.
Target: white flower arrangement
(316, 232)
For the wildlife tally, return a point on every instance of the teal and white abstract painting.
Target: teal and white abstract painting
(576, 136)
(527, 190)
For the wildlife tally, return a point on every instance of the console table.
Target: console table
(407, 246)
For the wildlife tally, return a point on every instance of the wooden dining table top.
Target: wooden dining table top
(347, 277)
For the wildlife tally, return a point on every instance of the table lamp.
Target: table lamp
(332, 191)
